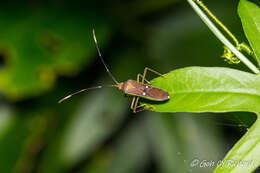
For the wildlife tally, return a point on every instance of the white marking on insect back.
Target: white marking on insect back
(144, 94)
(146, 87)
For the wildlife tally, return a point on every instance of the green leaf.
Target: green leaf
(11, 145)
(113, 159)
(91, 125)
(202, 89)
(18, 139)
(95, 120)
(137, 156)
(246, 152)
(171, 145)
(250, 17)
(38, 44)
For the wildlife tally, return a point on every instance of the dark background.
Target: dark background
(47, 51)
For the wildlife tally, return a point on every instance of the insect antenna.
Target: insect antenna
(100, 56)
(83, 90)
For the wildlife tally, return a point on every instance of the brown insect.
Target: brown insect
(134, 88)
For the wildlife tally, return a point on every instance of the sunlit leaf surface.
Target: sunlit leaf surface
(250, 17)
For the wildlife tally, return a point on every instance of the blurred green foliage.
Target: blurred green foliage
(47, 51)
(39, 42)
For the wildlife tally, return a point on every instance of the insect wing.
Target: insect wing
(157, 94)
(132, 87)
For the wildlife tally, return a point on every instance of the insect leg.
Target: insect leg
(136, 99)
(141, 110)
(132, 104)
(135, 104)
(142, 82)
(147, 107)
(151, 70)
(140, 75)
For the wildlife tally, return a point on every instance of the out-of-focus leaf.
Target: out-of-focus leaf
(177, 141)
(250, 17)
(99, 162)
(39, 43)
(92, 124)
(128, 154)
(20, 141)
(38, 129)
(98, 117)
(179, 39)
(145, 7)
(6, 118)
(164, 144)
(11, 145)
(131, 151)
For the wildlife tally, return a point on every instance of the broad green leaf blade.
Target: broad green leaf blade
(202, 89)
(250, 17)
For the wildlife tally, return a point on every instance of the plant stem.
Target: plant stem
(222, 38)
(205, 8)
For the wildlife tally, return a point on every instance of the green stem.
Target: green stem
(205, 8)
(222, 38)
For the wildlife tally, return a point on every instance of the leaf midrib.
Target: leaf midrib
(215, 91)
